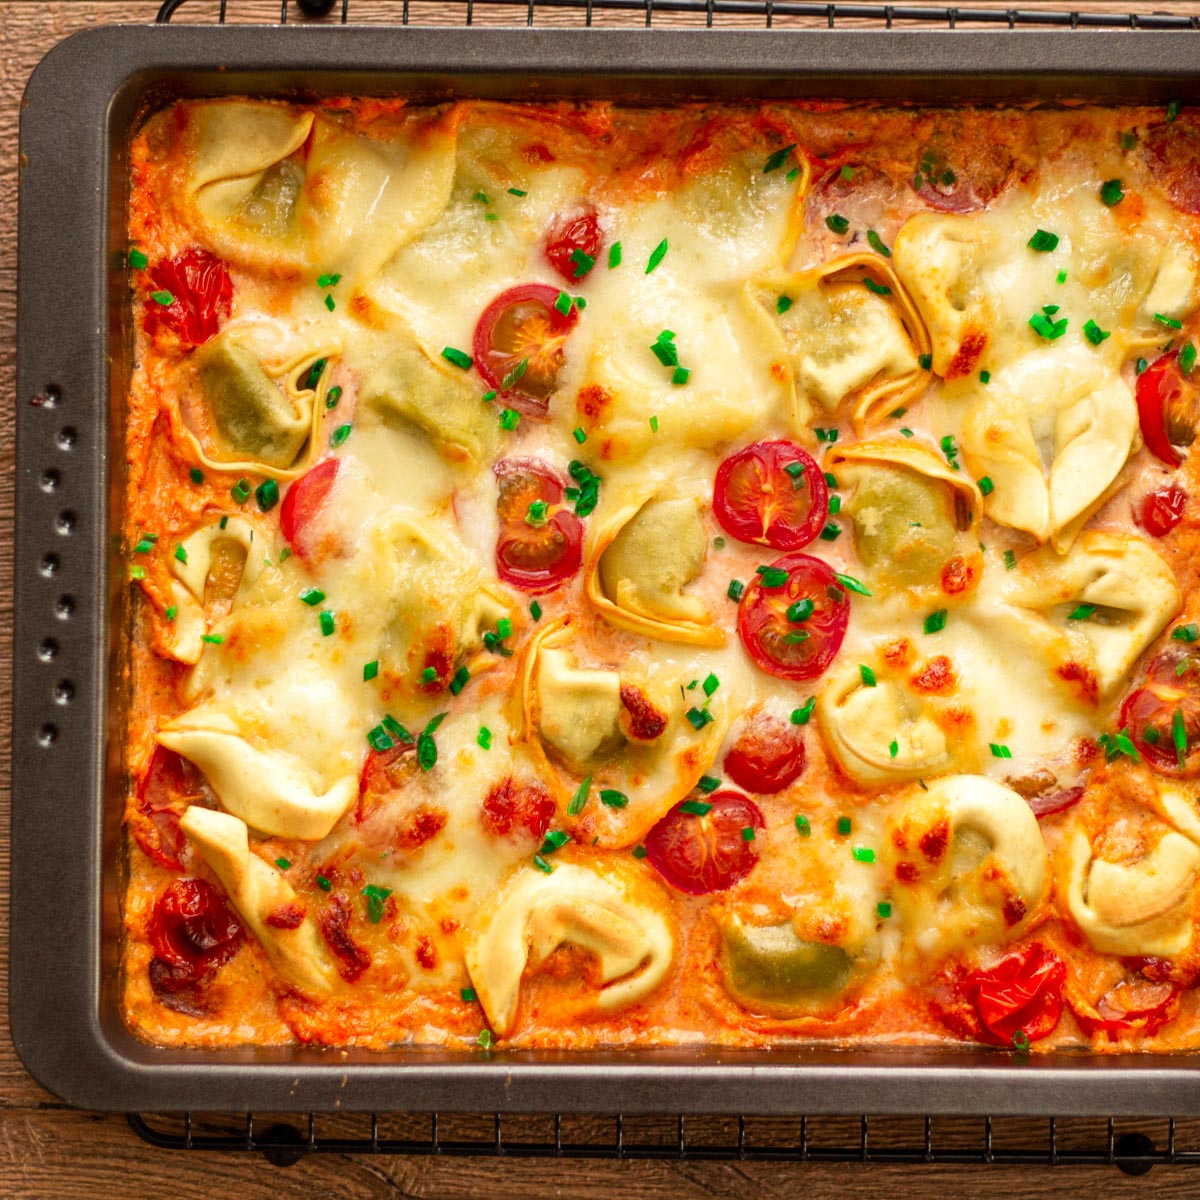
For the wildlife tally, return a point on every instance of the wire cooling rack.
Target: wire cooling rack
(1132, 1146)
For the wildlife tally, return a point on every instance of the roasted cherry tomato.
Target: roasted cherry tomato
(1162, 510)
(519, 345)
(192, 928)
(521, 809)
(767, 756)
(303, 502)
(706, 849)
(535, 552)
(1173, 151)
(1021, 993)
(169, 786)
(772, 493)
(793, 628)
(1163, 716)
(201, 296)
(384, 773)
(1166, 408)
(1140, 1004)
(571, 242)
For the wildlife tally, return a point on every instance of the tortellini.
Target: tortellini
(1145, 903)
(621, 918)
(851, 335)
(271, 187)
(267, 788)
(642, 559)
(1122, 592)
(264, 900)
(969, 864)
(916, 521)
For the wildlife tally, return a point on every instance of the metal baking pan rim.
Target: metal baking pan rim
(71, 356)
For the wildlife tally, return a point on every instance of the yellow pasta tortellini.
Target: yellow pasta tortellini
(621, 917)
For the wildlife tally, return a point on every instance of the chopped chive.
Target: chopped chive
(329, 303)
(708, 783)
(1082, 613)
(181, 554)
(876, 244)
(581, 262)
(535, 516)
(847, 173)
(241, 491)
(510, 419)
(695, 808)
(370, 670)
(665, 350)
(562, 302)
(378, 740)
(578, 434)
(782, 304)
(224, 521)
(1010, 559)
(844, 826)
(771, 577)
(985, 377)
(196, 475)
(267, 495)
(556, 839)
(680, 376)
(986, 486)
(324, 884)
(950, 450)
(801, 715)
(801, 610)
(883, 910)
(893, 748)
(1186, 633)
(283, 864)
(863, 854)
(312, 596)
(748, 833)
(802, 826)
(719, 543)
(137, 572)
(332, 397)
(137, 260)
(653, 424)
(1061, 277)
(935, 622)
(396, 729)
(896, 414)
(339, 435)
(826, 435)
(711, 683)
(1094, 333)
(699, 717)
(778, 159)
(459, 358)
(1179, 737)
(327, 622)
(146, 544)
(1043, 326)
(999, 751)
(611, 798)
(429, 674)
(830, 533)
(1169, 322)
(1187, 358)
(488, 397)
(375, 897)
(461, 678)
(925, 362)
(614, 255)
(656, 256)
(1174, 107)
(515, 375)
(852, 585)
(638, 852)
(1043, 241)
(213, 639)
(735, 589)
(837, 224)
(878, 288)
(485, 1037)
(866, 674)
(580, 797)
(170, 613)
(164, 298)
(1111, 193)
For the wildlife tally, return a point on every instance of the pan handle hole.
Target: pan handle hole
(48, 650)
(50, 480)
(48, 397)
(66, 522)
(64, 692)
(47, 736)
(63, 608)
(283, 1145)
(1134, 1153)
(49, 565)
(66, 437)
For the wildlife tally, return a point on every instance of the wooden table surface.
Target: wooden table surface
(48, 1151)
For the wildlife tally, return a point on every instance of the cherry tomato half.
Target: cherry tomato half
(794, 648)
(709, 852)
(1022, 992)
(521, 809)
(1140, 1004)
(519, 345)
(192, 928)
(169, 786)
(757, 498)
(1162, 510)
(535, 553)
(571, 242)
(1165, 708)
(1166, 408)
(303, 502)
(201, 296)
(767, 756)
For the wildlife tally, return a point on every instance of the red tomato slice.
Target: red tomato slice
(1131, 1004)
(571, 237)
(537, 557)
(201, 292)
(520, 337)
(1162, 510)
(1173, 148)
(169, 786)
(302, 502)
(698, 854)
(765, 627)
(767, 756)
(192, 928)
(1022, 992)
(522, 809)
(1166, 408)
(756, 499)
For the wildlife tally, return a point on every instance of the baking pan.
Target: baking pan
(73, 350)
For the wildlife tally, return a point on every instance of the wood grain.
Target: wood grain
(49, 1152)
